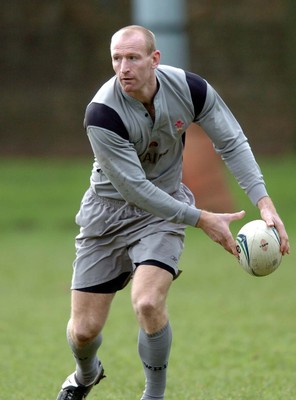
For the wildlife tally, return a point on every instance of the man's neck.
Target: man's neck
(147, 95)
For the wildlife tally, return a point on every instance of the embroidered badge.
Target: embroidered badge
(179, 125)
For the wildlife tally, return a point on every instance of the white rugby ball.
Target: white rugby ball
(258, 247)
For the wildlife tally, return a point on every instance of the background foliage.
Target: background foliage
(55, 55)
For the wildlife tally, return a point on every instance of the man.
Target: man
(133, 217)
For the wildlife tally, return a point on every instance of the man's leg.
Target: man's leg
(89, 312)
(149, 292)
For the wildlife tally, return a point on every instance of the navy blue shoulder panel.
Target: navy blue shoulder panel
(198, 90)
(102, 116)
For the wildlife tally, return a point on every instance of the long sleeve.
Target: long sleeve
(230, 142)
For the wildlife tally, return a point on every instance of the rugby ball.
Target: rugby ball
(258, 247)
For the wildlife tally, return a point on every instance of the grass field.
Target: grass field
(234, 335)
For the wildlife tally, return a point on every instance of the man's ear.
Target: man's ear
(155, 59)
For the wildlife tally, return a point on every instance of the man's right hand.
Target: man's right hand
(216, 226)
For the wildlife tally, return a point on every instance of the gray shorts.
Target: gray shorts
(116, 237)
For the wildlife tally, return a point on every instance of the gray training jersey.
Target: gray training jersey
(140, 161)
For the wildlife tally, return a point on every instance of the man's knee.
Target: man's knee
(88, 316)
(146, 305)
(83, 332)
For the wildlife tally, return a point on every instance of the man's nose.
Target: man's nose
(124, 66)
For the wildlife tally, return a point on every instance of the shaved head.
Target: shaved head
(148, 36)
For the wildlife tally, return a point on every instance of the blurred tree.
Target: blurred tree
(55, 54)
(241, 47)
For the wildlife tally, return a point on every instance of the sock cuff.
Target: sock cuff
(158, 333)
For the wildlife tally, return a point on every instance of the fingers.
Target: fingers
(285, 246)
(230, 246)
(271, 217)
(216, 226)
(284, 239)
(275, 221)
(227, 241)
(238, 215)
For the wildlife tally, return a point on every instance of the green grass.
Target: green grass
(234, 335)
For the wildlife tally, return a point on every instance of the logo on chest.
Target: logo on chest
(180, 126)
(153, 156)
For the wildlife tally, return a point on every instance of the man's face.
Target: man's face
(133, 66)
